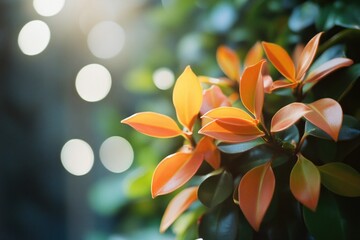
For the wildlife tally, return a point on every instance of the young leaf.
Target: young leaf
(174, 171)
(327, 115)
(256, 190)
(207, 147)
(213, 98)
(252, 89)
(305, 182)
(254, 55)
(228, 62)
(187, 98)
(341, 179)
(280, 59)
(229, 112)
(180, 203)
(282, 84)
(153, 124)
(307, 56)
(288, 115)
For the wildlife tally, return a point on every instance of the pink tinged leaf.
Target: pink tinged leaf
(228, 62)
(297, 53)
(226, 132)
(327, 115)
(252, 89)
(288, 115)
(305, 182)
(282, 84)
(256, 190)
(179, 204)
(254, 55)
(280, 59)
(174, 171)
(267, 83)
(211, 153)
(307, 56)
(213, 97)
(187, 98)
(327, 68)
(153, 124)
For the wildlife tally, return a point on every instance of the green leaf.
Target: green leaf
(289, 137)
(215, 189)
(220, 222)
(245, 232)
(350, 129)
(240, 147)
(341, 179)
(326, 223)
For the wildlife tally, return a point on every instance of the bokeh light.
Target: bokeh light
(77, 157)
(34, 37)
(106, 39)
(48, 8)
(117, 154)
(93, 82)
(163, 78)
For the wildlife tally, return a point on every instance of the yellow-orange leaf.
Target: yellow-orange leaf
(228, 62)
(305, 182)
(252, 89)
(288, 115)
(254, 55)
(327, 115)
(229, 112)
(211, 153)
(227, 132)
(282, 84)
(174, 171)
(280, 59)
(213, 97)
(180, 203)
(307, 56)
(327, 68)
(153, 124)
(187, 98)
(256, 190)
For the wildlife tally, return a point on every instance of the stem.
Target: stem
(301, 142)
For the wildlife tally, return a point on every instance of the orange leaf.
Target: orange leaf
(153, 124)
(327, 115)
(229, 112)
(213, 98)
(305, 182)
(282, 84)
(256, 190)
(307, 56)
(280, 59)
(288, 115)
(227, 132)
(179, 204)
(327, 68)
(254, 55)
(268, 82)
(174, 171)
(228, 62)
(187, 98)
(211, 153)
(252, 89)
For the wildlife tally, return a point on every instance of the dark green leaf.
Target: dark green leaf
(303, 16)
(215, 189)
(220, 222)
(245, 231)
(240, 147)
(326, 222)
(289, 137)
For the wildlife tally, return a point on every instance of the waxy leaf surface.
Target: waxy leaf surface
(213, 98)
(180, 203)
(305, 182)
(230, 112)
(256, 190)
(187, 98)
(341, 179)
(153, 124)
(228, 62)
(211, 153)
(174, 171)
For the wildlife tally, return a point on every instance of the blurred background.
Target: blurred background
(71, 70)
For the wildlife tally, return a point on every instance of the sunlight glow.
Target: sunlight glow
(48, 8)
(116, 154)
(77, 157)
(106, 39)
(163, 78)
(34, 37)
(93, 82)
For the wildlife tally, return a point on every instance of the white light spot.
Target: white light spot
(93, 82)
(77, 157)
(116, 154)
(163, 78)
(48, 8)
(106, 39)
(34, 37)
